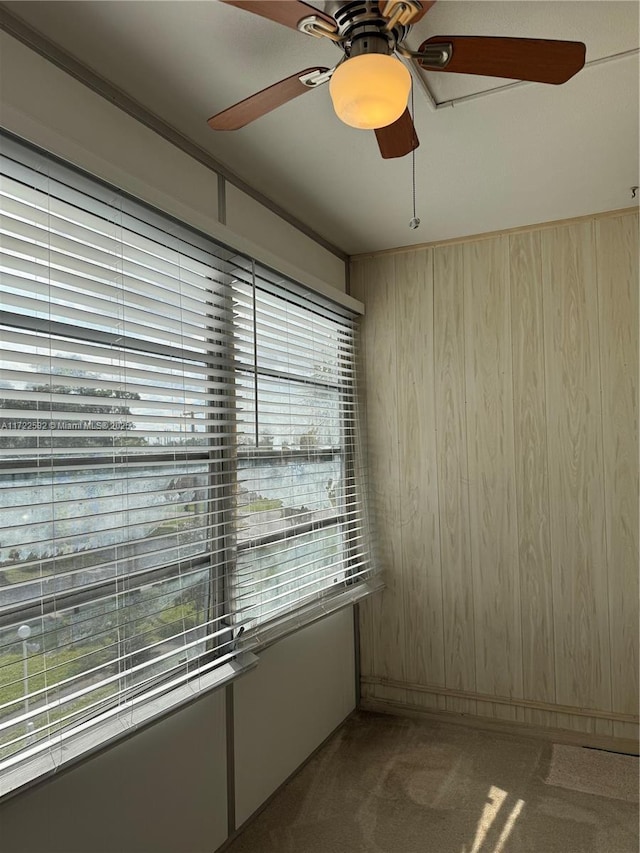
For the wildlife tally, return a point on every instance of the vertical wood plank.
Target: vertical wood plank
(531, 473)
(379, 333)
(617, 272)
(453, 476)
(492, 512)
(367, 610)
(418, 469)
(574, 438)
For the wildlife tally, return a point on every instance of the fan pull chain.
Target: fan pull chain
(415, 222)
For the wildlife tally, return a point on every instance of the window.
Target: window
(178, 472)
(297, 518)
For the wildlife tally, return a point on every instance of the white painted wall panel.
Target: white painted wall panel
(163, 790)
(302, 689)
(249, 219)
(46, 106)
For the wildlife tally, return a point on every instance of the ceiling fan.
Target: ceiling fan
(369, 86)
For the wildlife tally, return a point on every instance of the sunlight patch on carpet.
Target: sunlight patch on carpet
(495, 801)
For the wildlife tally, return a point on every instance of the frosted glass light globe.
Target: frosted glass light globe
(370, 90)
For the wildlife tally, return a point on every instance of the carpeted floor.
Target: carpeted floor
(393, 785)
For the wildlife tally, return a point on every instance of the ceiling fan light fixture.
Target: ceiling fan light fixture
(370, 91)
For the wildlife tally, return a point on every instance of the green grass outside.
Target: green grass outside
(54, 716)
(67, 662)
(18, 575)
(263, 505)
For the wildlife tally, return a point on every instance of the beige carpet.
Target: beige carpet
(605, 774)
(392, 785)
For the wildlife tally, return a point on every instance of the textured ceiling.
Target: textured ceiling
(527, 154)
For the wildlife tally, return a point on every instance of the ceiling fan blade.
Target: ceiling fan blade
(286, 12)
(538, 60)
(399, 138)
(251, 108)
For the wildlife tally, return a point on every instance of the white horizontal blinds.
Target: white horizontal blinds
(116, 421)
(300, 528)
(178, 453)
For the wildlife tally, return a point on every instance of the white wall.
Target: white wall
(164, 789)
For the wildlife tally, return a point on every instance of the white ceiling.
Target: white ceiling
(528, 154)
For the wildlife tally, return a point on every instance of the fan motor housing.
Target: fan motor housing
(361, 28)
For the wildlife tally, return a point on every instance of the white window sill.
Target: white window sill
(77, 745)
(262, 636)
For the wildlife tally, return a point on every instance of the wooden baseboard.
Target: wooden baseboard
(574, 738)
(488, 699)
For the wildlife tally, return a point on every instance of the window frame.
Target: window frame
(223, 462)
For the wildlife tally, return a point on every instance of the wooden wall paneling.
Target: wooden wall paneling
(594, 725)
(386, 610)
(492, 510)
(420, 535)
(508, 440)
(453, 475)
(367, 609)
(574, 439)
(617, 273)
(628, 731)
(531, 474)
